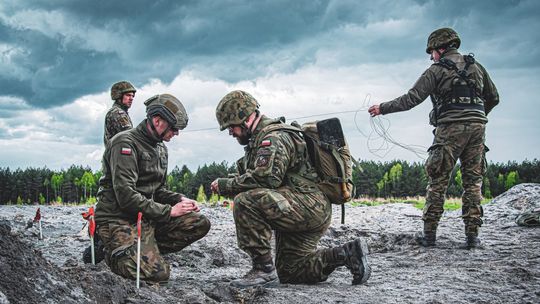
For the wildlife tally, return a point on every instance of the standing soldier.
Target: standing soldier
(117, 118)
(462, 94)
(134, 179)
(276, 189)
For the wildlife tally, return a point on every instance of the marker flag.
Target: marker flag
(38, 215)
(89, 216)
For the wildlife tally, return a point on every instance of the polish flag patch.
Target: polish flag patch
(266, 143)
(126, 151)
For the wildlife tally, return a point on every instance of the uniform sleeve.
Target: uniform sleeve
(164, 195)
(125, 173)
(272, 160)
(489, 92)
(424, 86)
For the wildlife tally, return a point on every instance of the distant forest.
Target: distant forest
(396, 179)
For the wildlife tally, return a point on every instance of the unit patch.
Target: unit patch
(263, 157)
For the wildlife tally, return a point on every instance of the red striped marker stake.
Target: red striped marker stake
(37, 218)
(89, 216)
(139, 218)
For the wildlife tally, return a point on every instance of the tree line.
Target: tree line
(397, 179)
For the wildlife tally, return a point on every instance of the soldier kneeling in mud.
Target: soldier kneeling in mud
(134, 177)
(276, 189)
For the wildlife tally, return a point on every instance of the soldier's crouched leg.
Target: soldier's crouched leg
(120, 240)
(181, 231)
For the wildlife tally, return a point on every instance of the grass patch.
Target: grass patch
(417, 202)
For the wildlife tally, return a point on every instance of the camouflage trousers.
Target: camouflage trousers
(463, 141)
(298, 219)
(120, 239)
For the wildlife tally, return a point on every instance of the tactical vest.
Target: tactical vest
(463, 94)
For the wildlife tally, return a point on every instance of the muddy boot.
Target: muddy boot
(471, 233)
(262, 274)
(426, 238)
(353, 255)
(99, 248)
(473, 241)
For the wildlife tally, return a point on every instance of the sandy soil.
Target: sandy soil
(506, 270)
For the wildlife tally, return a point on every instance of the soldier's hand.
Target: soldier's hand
(192, 202)
(374, 110)
(184, 207)
(214, 186)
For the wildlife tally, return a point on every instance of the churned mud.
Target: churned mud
(506, 270)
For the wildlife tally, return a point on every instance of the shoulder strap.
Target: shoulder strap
(447, 63)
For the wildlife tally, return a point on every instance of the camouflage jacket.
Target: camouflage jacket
(437, 82)
(272, 160)
(116, 120)
(134, 177)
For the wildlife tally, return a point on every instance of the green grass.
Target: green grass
(419, 202)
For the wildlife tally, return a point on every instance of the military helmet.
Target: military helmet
(234, 108)
(169, 108)
(120, 88)
(442, 38)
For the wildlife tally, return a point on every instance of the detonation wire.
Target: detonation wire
(379, 140)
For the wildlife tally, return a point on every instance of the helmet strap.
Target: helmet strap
(253, 125)
(156, 134)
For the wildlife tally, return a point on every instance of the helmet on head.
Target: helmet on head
(169, 108)
(234, 108)
(120, 88)
(442, 37)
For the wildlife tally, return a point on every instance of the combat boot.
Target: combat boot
(426, 238)
(99, 249)
(473, 241)
(353, 255)
(471, 234)
(263, 275)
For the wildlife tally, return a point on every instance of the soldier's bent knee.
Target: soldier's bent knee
(204, 225)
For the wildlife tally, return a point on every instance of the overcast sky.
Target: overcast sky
(58, 60)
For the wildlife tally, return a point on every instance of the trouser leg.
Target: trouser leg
(120, 239)
(181, 231)
(303, 217)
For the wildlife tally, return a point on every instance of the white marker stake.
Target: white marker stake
(92, 249)
(139, 217)
(40, 232)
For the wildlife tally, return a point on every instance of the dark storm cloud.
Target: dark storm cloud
(61, 50)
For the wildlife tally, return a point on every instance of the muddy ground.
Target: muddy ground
(506, 270)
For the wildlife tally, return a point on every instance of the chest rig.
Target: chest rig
(463, 92)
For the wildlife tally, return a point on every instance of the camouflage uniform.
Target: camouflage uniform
(134, 179)
(116, 120)
(459, 134)
(275, 190)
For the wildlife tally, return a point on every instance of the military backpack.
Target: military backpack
(329, 153)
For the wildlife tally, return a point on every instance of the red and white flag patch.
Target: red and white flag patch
(266, 143)
(126, 151)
